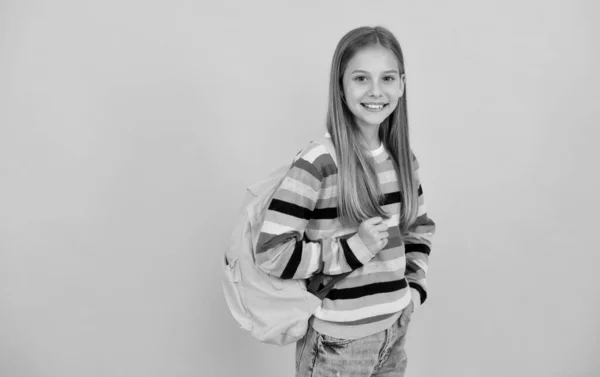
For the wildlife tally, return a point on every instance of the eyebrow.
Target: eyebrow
(363, 71)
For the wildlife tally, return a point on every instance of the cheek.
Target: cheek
(355, 92)
(352, 89)
(394, 92)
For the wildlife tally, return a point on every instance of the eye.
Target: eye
(389, 78)
(360, 78)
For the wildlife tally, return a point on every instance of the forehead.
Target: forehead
(373, 59)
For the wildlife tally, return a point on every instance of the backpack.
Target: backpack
(275, 311)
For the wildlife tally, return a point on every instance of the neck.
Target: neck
(370, 137)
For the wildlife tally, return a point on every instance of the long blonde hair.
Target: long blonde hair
(358, 185)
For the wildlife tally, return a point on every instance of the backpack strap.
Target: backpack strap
(316, 286)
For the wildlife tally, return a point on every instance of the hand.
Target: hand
(412, 307)
(373, 233)
(406, 314)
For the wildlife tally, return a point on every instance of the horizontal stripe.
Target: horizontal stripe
(326, 203)
(391, 198)
(365, 301)
(294, 198)
(328, 193)
(326, 165)
(324, 214)
(299, 188)
(391, 252)
(387, 177)
(314, 152)
(360, 313)
(290, 209)
(376, 318)
(417, 248)
(358, 278)
(384, 165)
(375, 267)
(307, 167)
(365, 290)
(319, 234)
(286, 220)
(388, 187)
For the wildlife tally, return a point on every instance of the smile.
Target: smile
(374, 106)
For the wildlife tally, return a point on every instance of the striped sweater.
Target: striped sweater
(302, 236)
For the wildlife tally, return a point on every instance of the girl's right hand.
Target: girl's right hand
(373, 233)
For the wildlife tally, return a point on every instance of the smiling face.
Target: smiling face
(372, 85)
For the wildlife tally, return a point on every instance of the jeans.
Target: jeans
(381, 354)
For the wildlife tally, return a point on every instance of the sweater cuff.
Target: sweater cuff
(358, 248)
(416, 287)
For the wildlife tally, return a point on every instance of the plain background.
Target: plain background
(129, 130)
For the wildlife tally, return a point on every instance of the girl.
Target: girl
(363, 215)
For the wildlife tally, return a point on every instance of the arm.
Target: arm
(417, 242)
(283, 249)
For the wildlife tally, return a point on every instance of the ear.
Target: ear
(402, 84)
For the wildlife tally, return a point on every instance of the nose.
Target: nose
(375, 90)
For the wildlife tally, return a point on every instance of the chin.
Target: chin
(374, 121)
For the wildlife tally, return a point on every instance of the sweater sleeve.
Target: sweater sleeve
(417, 240)
(283, 250)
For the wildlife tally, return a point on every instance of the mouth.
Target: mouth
(374, 106)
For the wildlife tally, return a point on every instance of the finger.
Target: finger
(375, 233)
(383, 235)
(374, 220)
(381, 227)
(383, 243)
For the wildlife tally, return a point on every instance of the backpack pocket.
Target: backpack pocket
(234, 293)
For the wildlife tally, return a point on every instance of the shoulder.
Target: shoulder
(316, 157)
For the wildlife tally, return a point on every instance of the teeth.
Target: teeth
(374, 107)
